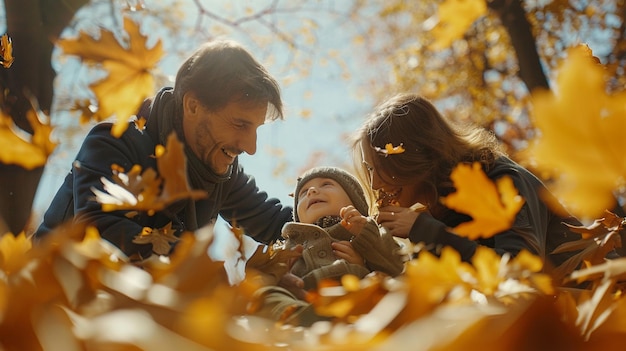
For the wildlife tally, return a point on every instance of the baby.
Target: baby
(331, 224)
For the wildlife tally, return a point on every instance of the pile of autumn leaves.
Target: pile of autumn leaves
(74, 291)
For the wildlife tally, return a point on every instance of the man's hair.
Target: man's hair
(223, 71)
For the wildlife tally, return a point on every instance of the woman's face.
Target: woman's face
(386, 185)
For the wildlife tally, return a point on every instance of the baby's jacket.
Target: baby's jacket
(318, 262)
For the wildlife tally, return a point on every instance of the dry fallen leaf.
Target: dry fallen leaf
(272, 263)
(129, 81)
(172, 165)
(598, 239)
(492, 207)
(146, 191)
(578, 118)
(160, 238)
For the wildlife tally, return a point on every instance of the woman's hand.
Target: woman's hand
(344, 250)
(398, 221)
(352, 219)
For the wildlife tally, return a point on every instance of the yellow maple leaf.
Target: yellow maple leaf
(13, 251)
(455, 17)
(487, 263)
(129, 81)
(580, 137)
(16, 147)
(493, 207)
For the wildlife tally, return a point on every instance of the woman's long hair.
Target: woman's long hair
(433, 145)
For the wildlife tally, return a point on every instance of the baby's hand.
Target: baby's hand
(352, 219)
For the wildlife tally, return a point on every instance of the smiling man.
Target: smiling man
(221, 96)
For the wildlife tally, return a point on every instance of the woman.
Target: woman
(420, 175)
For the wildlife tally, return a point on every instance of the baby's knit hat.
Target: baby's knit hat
(347, 181)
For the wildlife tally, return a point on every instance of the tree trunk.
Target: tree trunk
(513, 18)
(34, 26)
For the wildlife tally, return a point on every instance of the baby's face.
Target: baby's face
(320, 197)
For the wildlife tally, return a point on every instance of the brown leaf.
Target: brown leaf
(6, 51)
(142, 191)
(598, 239)
(274, 262)
(160, 238)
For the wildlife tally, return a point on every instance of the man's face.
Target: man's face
(218, 137)
(321, 197)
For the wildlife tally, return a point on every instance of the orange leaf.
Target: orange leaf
(390, 149)
(579, 118)
(129, 81)
(273, 263)
(17, 147)
(13, 251)
(493, 207)
(6, 51)
(145, 191)
(487, 263)
(172, 167)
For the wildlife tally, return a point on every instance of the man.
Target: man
(220, 97)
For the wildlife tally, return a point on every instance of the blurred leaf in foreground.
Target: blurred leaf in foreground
(19, 148)
(455, 18)
(580, 135)
(13, 251)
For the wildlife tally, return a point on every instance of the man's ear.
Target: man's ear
(191, 105)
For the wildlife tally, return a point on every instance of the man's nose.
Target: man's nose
(248, 143)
